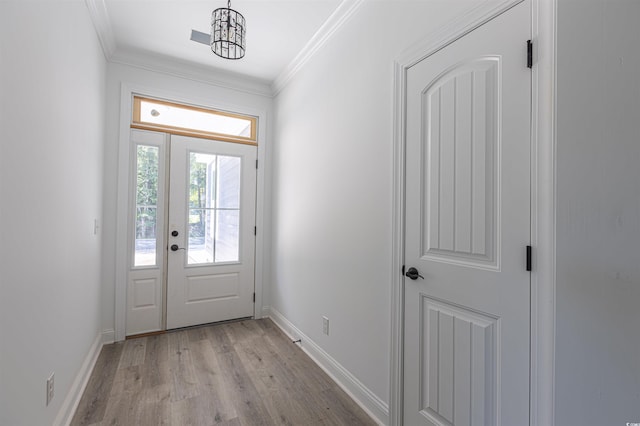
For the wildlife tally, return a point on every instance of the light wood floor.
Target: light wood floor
(239, 373)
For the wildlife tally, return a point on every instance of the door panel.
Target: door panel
(461, 177)
(210, 273)
(459, 364)
(467, 226)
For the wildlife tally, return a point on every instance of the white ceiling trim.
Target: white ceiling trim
(102, 24)
(101, 21)
(191, 71)
(337, 19)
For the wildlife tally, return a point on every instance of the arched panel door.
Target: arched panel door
(467, 300)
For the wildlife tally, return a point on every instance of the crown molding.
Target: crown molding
(338, 18)
(166, 65)
(191, 71)
(163, 64)
(102, 24)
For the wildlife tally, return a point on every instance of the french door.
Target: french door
(193, 232)
(211, 231)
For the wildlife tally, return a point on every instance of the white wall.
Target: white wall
(332, 180)
(171, 87)
(598, 217)
(52, 122)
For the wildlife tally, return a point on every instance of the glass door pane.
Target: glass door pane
(214, 209)
(146, 214)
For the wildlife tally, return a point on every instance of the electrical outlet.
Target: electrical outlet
(325, 325)
(50, 388)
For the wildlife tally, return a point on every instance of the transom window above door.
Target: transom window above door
(188, 120)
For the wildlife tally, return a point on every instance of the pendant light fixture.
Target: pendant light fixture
(228, 33)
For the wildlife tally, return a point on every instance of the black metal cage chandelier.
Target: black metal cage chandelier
(228, 33)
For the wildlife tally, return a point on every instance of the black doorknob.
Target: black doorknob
(175, 247)
(174, 233)
(413, 274)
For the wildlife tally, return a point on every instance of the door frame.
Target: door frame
(127, 91)
(543, 192)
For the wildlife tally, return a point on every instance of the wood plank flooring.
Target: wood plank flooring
(232, 374)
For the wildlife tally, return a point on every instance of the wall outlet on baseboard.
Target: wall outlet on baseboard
(50, 388)
(325, 325)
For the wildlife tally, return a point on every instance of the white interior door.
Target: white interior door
(466, 353)
(210, 266)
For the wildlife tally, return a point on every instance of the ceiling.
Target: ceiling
(277, 32)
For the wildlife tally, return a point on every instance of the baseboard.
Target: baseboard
(108, 336)
(366, 399)
(70, 404)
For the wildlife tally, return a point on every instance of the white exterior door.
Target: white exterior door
(212, 207)
(466, 353)
(147, 239)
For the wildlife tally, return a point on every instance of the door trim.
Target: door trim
(543, 137)
(127, 91)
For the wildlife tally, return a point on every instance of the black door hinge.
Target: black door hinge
(403, 270)
(529, 260)
(529, 54)
(256, 164)
(255, 230)
(254, 298)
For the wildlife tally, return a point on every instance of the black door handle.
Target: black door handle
(174, 247)
(413, 274)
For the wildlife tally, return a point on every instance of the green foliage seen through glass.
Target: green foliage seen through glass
(146, 191)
